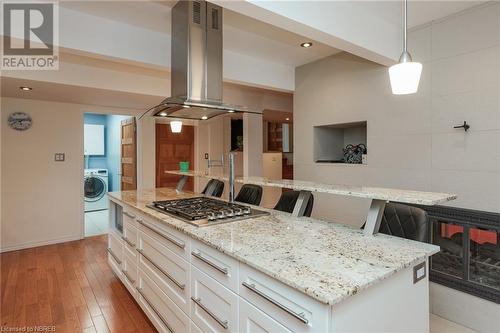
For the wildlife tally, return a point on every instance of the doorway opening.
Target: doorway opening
(171, 149)
(109, 165)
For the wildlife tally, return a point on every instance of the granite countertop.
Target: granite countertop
(379, 193)
(325, 260)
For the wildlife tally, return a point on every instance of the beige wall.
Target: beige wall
(411, 140)
(42, 200)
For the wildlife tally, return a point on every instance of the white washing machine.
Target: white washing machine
(95, 184)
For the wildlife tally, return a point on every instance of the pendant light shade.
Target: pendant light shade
(176, 126)
(405, 76)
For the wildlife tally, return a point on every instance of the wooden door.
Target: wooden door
(172, 148)
(128, 154)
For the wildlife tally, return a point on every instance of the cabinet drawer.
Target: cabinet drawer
(129, 273)
(163, 312)
(194, 328)
(129, 216)
(115, 253)
(253, 320)
(214, 308)
(174, 240)
(291, 308)
(217, 265)
(130, 237)
(169, 271)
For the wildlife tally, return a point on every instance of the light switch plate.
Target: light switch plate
(419, 272)
(59, 157)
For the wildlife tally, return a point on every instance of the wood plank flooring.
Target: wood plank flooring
(69, 286)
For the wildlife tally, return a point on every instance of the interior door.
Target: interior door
(128, 154)
(172, 148)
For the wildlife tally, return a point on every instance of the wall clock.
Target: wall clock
(19, 121)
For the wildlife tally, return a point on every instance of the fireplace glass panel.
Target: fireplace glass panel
(485, 257)
(450, 259)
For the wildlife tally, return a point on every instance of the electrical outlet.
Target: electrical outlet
(59, 157)
(419, 272)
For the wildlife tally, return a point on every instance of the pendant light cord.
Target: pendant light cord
(405, 15)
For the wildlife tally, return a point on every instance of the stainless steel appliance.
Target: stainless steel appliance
(204, 211)
(196, 58)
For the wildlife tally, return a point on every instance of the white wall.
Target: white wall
(410, 139)
(42, 200)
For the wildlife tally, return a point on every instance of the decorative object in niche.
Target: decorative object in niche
(354, 153)
(20, 121)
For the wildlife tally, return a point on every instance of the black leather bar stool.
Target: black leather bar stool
(250, 194)
(214, 188)
(405, 221)
(287, 202)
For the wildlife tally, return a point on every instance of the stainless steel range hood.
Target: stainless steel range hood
(196, 64)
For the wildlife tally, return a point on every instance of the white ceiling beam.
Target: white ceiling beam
(346, 25)
(82, 33)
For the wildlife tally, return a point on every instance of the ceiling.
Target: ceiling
(419, 12)
(242, 34)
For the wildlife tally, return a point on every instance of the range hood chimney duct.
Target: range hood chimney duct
(196, 64)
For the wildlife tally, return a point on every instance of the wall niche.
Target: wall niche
(330, 141)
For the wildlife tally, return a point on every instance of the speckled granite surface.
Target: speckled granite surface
(380, 193)
(324, 260)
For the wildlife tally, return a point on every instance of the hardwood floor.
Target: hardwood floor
(69, 286)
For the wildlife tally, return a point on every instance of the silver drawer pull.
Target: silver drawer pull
(221, 322)
(128, 276)
(299, 316)
(177, 283)
(128, 241)
(170, 239)
(114, 256)
(198, 255)
(139, 290)
(132, 216)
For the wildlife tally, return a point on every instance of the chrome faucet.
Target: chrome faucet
(220, 163)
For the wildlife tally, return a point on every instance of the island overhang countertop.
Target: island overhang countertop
(325, 260)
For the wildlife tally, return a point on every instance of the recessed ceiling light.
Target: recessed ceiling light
(26, 88)
(306, 44)
(204, 118)
(287, 119)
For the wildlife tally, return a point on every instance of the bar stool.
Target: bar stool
(287, 202)
(250, 194)
(214, 188)
(405, 221)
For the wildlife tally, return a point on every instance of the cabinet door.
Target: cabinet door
(115, 253)
(214, 308)
(165, 315)
(252, 320)
(129, 273)
(169, 271)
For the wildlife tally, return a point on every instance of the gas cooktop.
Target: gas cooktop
(203, 211)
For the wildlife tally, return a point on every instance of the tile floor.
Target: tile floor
(441, 325)
(96, 223)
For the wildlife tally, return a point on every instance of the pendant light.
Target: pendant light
(405, 75)
(176, 126)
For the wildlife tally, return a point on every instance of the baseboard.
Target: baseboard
(37, 244)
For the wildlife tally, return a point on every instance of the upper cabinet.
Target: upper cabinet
(93, 139)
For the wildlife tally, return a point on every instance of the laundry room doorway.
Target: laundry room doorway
(102, 167)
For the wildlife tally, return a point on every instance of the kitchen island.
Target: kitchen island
(275, 273)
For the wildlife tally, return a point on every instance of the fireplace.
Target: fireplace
(469, 259)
